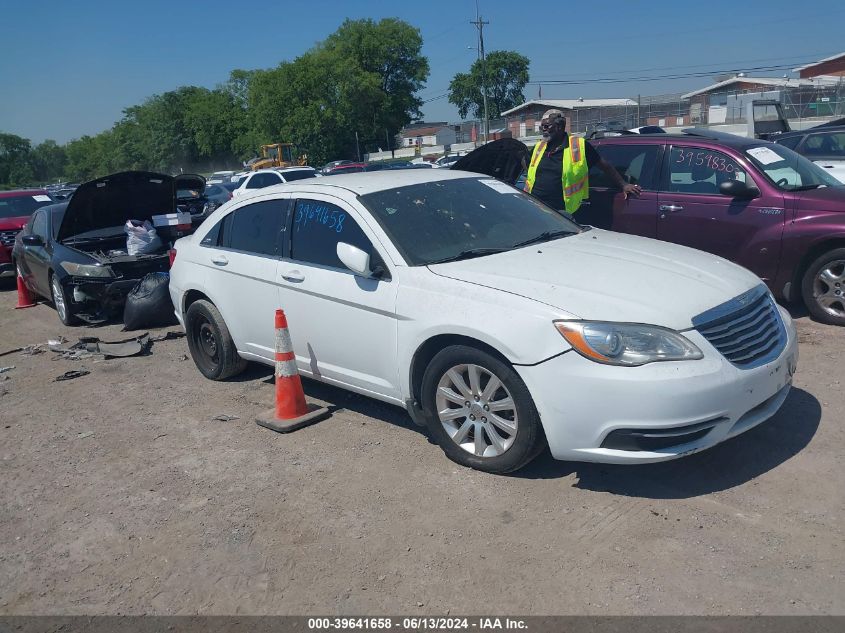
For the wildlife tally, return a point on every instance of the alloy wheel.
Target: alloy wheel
(476, 410)
(829, 288)
(58, 298)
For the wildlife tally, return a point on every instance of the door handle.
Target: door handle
(220, 260)
(293, 275)
(671, 208)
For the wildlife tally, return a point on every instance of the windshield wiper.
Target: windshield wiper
(545, 236)
(468, 254)
(805, 187)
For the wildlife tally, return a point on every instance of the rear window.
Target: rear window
(24, 205)
(636, 164)
(299, 174)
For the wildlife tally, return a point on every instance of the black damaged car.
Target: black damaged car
(75, 253)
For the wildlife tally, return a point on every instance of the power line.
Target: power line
(612, 80)
(809, 57)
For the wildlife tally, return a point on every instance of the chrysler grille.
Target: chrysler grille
(747, 330)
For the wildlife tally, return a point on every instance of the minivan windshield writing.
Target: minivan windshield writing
(789, 170)
(449, 220)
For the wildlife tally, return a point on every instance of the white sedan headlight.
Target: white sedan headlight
(626, 344)
(87, 270)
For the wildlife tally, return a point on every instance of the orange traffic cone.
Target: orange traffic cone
(291, 412)
(25, 298)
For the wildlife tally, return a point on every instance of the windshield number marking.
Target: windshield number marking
(771, 211)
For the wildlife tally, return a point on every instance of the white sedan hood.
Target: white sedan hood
(604, 276)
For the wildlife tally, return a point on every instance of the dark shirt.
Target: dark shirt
(548, 185)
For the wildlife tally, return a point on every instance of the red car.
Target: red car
(16, 207)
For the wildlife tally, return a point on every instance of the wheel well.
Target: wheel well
(809, 257)
(190, 297)
(430, 348)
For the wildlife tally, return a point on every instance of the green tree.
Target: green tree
(48, 161)
(507, 74)
(362, 79)
(15, 161)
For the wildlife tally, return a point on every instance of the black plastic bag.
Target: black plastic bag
(148, 304)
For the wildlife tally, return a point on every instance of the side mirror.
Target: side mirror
(738, 189)
(354, 259)
(32, 240)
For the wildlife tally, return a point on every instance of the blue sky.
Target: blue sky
(70, 68)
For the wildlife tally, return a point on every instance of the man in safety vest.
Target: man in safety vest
(559, 167)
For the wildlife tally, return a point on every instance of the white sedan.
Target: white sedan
(269, 177)
(498, 323)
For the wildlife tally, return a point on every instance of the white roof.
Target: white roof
(821, 61)
(764, 81)
(366, 182)
(572, 104)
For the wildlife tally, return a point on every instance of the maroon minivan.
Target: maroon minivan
(755, 203)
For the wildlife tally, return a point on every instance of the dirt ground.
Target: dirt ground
(121, 494)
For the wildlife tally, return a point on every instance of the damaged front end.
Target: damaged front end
(97, 293)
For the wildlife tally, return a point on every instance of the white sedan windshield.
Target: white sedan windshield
(441, 220)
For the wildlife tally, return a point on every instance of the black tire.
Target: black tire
(528, 440)
(812, 289)
(210, 343)
(61, 303)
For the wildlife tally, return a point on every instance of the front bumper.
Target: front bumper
(581, 403)
(7, 267)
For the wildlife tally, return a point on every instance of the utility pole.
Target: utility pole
(357, 147)
(479, 23)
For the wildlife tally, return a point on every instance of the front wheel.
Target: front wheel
(60, 302)
(823, 287)
(479, 411)
(210, 343)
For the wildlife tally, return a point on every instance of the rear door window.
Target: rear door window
(636, 164)
(258, 228)
(701, 170)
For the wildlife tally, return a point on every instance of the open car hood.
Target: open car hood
(504, 159)
(112, 200)
(189, 182)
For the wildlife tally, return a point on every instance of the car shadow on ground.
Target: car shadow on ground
(732, 463)
(725, 466)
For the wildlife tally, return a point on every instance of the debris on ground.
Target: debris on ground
(3, 370)
(89, 346)
(225, 418)
(11, 351)
(32, 350)
(82, 436)
(70, 375)
(168, 336)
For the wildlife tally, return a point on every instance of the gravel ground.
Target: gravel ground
(121, 494)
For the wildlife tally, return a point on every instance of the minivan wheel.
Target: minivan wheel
(479, 411)
(210, 343)
(823, 287)
(60, 302)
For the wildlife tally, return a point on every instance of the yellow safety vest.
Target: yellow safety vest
(575, 176)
